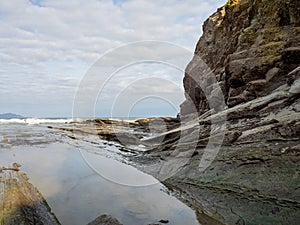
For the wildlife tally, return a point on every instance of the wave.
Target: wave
(33, 121)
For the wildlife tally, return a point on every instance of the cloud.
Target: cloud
(48, 45)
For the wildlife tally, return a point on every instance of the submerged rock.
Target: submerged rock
(105, 220)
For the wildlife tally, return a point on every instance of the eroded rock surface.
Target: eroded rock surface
(250, 46)
(250, 173)
(20, 202)
(252, 49)
(254, 177)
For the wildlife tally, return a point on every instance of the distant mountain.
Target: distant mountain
(11, 116)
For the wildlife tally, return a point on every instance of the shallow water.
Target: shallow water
(82, 180)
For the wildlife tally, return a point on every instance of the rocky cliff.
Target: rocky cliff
(252, 49)
(251, 46)
(237, 162)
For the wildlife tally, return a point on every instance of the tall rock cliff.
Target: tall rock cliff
(251, 46)
(252, 50)
(240, 163)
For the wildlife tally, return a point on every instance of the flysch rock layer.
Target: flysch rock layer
(250, 46)
(20, 201)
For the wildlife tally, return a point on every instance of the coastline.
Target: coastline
(254, 175)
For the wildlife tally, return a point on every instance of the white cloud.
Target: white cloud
(47, 45)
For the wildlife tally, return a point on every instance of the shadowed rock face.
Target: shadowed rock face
(250, 46)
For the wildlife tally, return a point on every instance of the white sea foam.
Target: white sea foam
(6, 121)
(32, 121)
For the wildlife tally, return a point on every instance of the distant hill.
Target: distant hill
(11, 116)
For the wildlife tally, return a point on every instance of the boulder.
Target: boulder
(105, 220)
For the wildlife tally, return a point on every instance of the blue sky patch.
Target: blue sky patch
(118, 2)
(38, 3)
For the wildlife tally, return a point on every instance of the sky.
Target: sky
(53, 52)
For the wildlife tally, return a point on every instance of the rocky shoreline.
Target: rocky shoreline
(252, 176)
(238, 161)
(252, 179)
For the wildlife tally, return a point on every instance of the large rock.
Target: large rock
(250, 46)
(253, 178)
(20, 202)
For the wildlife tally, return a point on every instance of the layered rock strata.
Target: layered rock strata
(250, 46)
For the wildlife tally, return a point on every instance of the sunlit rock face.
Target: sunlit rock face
(20, 201)
(250, 46)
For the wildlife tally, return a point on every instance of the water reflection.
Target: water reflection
(77, 194)
(116, 171)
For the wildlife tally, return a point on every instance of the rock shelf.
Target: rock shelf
(20, 202)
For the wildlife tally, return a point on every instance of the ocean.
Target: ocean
(84, 177)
